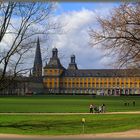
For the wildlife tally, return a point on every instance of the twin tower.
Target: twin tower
(53, 65)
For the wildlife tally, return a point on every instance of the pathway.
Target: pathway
(130, 112)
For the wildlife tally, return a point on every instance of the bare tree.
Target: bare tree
(21, 24)
(119, 34)
(6, 10)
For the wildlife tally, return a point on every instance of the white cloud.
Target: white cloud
(75, 40)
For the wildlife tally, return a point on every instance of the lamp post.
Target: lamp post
(83, 124)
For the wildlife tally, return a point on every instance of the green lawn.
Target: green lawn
(65, 103)
(67, 124)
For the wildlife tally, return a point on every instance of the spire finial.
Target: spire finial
(30, 74)
(54, 52)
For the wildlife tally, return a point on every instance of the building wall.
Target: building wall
(51, 79)
(15, 87)
(100, 82)
(97, 85)
(57, 79)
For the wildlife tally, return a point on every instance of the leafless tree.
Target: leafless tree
(6, 10)
(20, 25)
(119, 34)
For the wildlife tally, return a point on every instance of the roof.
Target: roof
(54, 63)
(72, 66)
(102, 73)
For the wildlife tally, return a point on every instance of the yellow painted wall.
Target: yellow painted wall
(52, 72)
(88, 82)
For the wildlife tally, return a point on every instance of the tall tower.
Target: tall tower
(37, 68)
(72, 64)
(52, 73)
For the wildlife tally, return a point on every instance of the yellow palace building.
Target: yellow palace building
(71, 80)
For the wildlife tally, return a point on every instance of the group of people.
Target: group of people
(127, 103)
(96, 109)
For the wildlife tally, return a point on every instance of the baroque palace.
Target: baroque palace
(71, 80)
(55, 79)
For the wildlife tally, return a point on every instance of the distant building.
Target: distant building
(72, 80)
(13, 86)
(35, 79)
(20, 85)
(56, 79)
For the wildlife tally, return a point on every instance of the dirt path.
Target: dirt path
(130, 112)
(126, 134)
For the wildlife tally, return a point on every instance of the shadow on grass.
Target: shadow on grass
(34, 125)
(28, 125)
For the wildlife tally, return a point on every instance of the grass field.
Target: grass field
(66, 103)
(68, 124)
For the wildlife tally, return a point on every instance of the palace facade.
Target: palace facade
(71, 80)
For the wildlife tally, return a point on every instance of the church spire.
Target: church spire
(37, 68)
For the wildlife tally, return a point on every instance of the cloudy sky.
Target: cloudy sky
(77, 18)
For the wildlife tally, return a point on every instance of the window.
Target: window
(55, 84)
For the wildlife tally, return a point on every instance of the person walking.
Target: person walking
(103, 108)
(133, 103)
(91, 108)
(100, 109)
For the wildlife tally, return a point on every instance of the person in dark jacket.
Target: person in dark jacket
(134, 103)
(91, 108)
